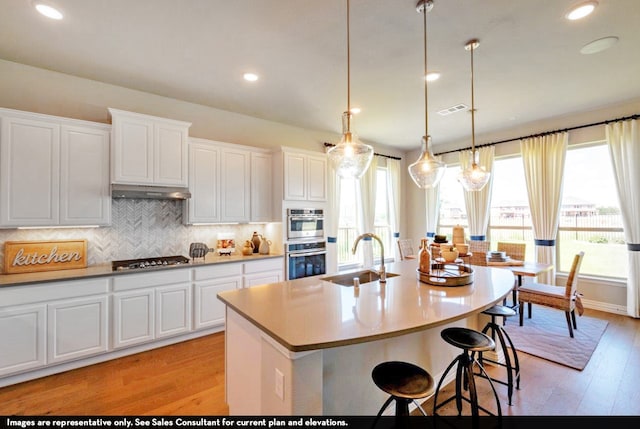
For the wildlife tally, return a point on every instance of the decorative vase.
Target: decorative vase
(264, 246)
(247, 250)
(255, 239)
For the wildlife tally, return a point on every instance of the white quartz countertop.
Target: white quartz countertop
(310, 314)
(101, 270)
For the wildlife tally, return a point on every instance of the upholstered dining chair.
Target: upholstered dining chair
(405, 247)
(559, 297)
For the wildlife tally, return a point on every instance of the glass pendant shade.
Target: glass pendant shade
(427, 171)
(350, 158)
(474, 177)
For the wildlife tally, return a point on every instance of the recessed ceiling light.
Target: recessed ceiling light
(355, 110)
(599, 45)
(251, 77)
(47, 10)
(431, 76)
(581, 10)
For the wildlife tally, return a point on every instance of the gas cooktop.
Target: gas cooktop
(146, 263)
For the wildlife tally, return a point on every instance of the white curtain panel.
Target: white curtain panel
(543, 162)
(624, 145)
(395, 198)
(368, 194)
(432, 212)
(332, 216)
(478, 203)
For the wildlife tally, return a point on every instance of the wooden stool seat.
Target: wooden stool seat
(405, 382)
(500, 310)
(468, 339)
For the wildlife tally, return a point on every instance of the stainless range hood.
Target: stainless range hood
(149, 192)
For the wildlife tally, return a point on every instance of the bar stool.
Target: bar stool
(405, 382)
(471, 342)
(513, 369)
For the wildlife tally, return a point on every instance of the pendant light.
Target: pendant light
(475, 177)
(350, 157)
(427, 171)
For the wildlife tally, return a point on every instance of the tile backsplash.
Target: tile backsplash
(142, 228)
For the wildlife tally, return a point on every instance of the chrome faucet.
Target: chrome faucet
(382, 272)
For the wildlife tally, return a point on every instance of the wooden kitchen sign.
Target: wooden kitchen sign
(32, 256)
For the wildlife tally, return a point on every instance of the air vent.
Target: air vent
(453, 109)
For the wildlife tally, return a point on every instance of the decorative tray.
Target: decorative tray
(447, 274)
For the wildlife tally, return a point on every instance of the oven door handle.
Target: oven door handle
(324, 252)
(306, 218)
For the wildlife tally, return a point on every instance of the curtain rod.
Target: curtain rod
(375, 153)
(546, 133)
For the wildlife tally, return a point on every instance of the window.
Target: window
(452, 208)
(350, 218)
(590, 218)
(510, 217)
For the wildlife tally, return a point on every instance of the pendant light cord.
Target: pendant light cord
(473, 110)
(426, 111)
(348, 72)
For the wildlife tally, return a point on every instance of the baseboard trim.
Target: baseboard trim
(604, 306)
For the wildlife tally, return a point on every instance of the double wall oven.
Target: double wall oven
(306, 247)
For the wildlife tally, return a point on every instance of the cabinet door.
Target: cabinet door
(263, 278)
(261, 188)
(133, 150)
(77, 328)
(23, 339)
(209, 310)
(173, 310)
(295, 178)
(204, 184)
(133, 317)
(170, 159)
(29, 172)
(84, 176)
(316, 178)
(235, 185)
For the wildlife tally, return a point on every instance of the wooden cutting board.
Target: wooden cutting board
(34, 256)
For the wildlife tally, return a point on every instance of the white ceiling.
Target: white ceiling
(528, 66)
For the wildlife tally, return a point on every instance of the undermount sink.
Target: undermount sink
(347, 279)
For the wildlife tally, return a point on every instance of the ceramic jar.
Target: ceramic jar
(247, 249)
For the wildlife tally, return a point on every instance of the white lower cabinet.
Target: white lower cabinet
(133, 317)
(263, 271)
(210, 280)
(173, 310)
(23, 338)
(77, 328)
(149, 306)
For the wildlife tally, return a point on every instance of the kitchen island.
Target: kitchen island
(307, 346)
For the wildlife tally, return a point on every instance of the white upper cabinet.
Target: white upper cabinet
(148, 150)
(204, 184)
(53, 171)
(84, 176)
(235, 180)
(261, 187)
(305, 177)
(228, 183)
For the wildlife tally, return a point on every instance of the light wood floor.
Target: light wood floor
(188, 379)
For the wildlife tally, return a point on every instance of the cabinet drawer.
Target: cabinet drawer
(264, 265)
(149, 279)
(51, 291)
(216, 271)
